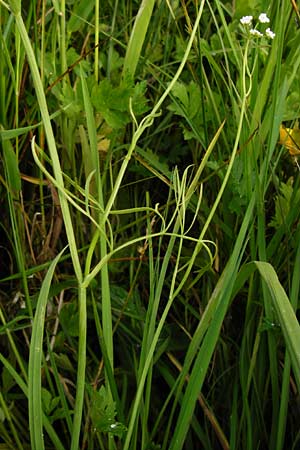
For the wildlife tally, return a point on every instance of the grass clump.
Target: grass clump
(149, 278)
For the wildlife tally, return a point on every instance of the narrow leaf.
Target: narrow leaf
(35, 360)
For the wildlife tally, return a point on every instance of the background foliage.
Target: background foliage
(149, 229)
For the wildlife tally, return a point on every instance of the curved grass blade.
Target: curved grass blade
(282, 305)
(285, 313)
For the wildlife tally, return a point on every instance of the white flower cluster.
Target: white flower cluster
(262, 18)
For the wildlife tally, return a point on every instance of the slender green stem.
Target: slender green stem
(80, 385)
(96, 64)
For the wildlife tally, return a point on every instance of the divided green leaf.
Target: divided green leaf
(103, 413)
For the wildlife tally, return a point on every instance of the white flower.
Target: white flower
(256, 33)
(263, 18)
(246, 20)
(270, 34)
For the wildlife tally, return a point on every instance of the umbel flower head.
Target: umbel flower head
(262, 18)
(270, 34)
(246, 20)
(256, 33)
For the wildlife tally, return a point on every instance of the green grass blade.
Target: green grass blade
(284, 401)
(137, 37)
(210, 324)
(14, 133)
(81, 368)
(35, 360)
(285, 313)
(105, 286)
(283, 307)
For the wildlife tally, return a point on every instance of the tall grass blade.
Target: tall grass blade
(137, 37)
(285, 313)
(35, 360)
(210, 324)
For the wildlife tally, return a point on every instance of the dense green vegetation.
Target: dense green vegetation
(150, 247)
